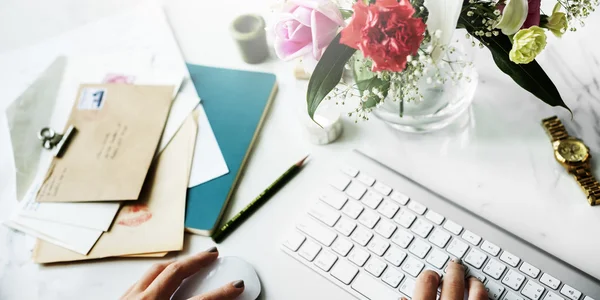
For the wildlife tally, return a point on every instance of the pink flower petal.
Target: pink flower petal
(301, 34)
(323, 31)
(288, 50)
(326, 7)
(302, 15)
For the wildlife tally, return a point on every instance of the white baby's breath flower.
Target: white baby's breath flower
(429, 49)
(438, 33)
(409, 58)
(429, 80)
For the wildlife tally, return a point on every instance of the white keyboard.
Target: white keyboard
(373, 238)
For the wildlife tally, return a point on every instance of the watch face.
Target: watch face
(572, 150)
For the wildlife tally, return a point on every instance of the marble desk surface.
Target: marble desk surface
(499, 165)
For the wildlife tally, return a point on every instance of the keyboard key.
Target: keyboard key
(294, 240)
(317, 231)
(400, 198)
(457, 248)
(513, 280)
(345, 226)
(372, 288)
(405, 218)
(342, 246)
(382, 188)
(453, 227)
(352, 209)
(339, 181)
(395, 256)
(552, 296)
(439, 237)
(388, 209)
(470, 237)
(509, 258)
(529, 270)
(324, 214)
(422, 228)
(362, 236)
(532, 290)
(477, 275)
(378, 246)
(350, 171)
(475, 258)
(588, 298)
(358, 256)
(570, 292)
(402, 238)
(408, 287)
(392, 277)
(549, 281)
(325, 260)
(417, 207)
(344, 271)
(309, 250)
(385, 228)
(419, 248)
(375, 266)
(494, 290)
(490, 248)
(336, 200)
(440, 273)
(512, 296)
(437, 258)
(494, 268)
(356, 190)
(366, 179)
(412, 267)
(372, 199)
(434, 217)
(369, 218)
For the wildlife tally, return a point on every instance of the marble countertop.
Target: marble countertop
(499, 165)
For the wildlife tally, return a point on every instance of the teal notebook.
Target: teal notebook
(236, 103)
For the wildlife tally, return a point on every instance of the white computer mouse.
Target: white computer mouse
(223, 271)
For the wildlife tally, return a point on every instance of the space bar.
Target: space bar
(372, 288)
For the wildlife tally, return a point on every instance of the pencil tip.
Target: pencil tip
(301, 162)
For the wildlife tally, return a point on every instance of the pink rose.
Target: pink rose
(305, 28)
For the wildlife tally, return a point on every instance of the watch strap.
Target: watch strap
(555, 128)
(588, 183)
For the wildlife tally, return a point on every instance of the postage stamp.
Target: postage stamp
(92, 99)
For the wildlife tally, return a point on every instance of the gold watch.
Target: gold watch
(575, 156)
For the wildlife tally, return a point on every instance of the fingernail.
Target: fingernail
(238, 284)
(457, 261)
(403, 298)
(212, 249)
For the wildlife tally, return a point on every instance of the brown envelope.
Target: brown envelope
(118, 130)
(146, 255)
(155, 223)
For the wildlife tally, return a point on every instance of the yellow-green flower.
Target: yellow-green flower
(527, 44)
(557, 23)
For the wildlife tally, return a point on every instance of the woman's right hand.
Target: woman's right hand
(454, 285)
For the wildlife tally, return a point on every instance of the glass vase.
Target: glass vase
(442, 103)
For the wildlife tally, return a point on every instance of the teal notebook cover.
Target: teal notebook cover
(236, 103)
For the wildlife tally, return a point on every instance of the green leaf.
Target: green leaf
(327, 73)
(530, 77)
(346, 13)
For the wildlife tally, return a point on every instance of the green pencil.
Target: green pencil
(253, 206)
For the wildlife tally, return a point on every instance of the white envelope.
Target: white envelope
(90, 215)
(78, 239)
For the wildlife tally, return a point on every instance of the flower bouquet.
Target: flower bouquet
(393, 45)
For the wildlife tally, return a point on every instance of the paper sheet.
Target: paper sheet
(78, 239)
(209, 162)
(98, 216)
(141, 30)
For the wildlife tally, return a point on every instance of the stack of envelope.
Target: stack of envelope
(142, 138)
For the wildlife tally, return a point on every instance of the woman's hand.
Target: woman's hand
(163, 279)
(454, 285)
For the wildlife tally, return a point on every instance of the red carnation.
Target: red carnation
(386, 32)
